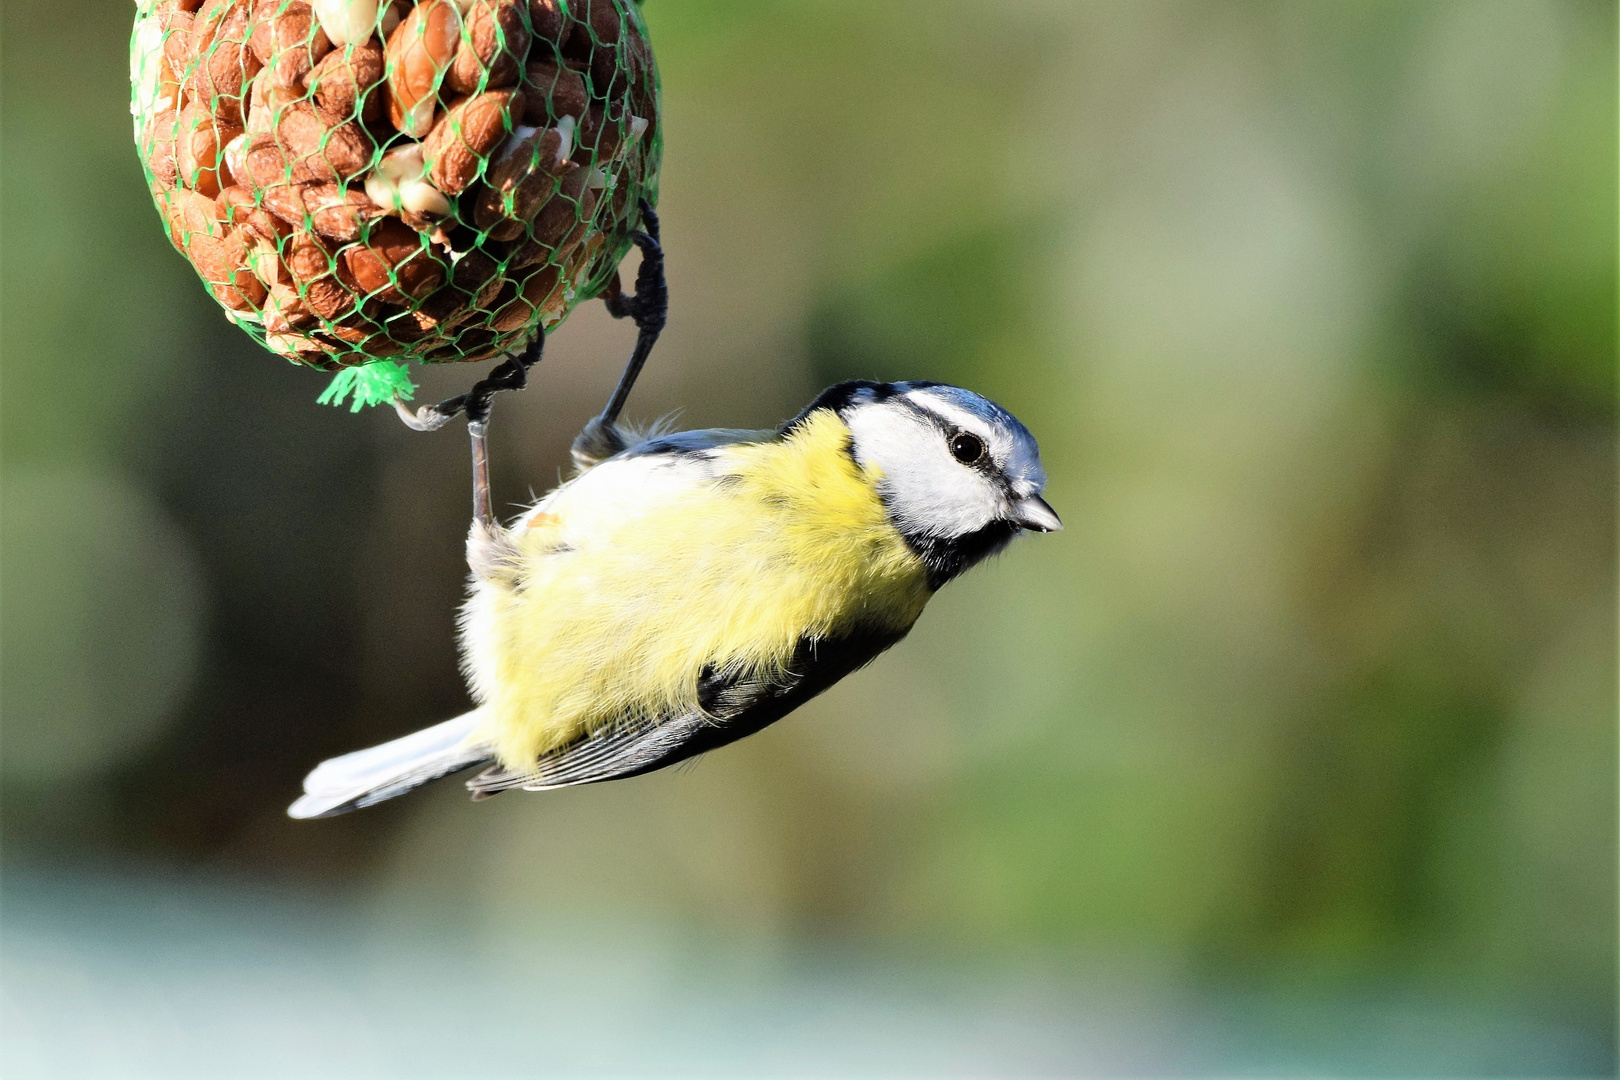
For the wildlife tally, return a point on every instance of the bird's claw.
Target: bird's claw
(649, 307)
(511, 374)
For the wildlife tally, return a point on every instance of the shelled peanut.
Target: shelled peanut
(428, 180)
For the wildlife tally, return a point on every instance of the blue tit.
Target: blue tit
(693, 588)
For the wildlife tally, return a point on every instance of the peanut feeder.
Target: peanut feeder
(427, 180)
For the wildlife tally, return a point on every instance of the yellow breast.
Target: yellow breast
(638, 577)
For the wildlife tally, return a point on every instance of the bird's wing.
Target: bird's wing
(733, 707)
(694, 442)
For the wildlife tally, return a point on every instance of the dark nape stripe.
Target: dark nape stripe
(840, 397)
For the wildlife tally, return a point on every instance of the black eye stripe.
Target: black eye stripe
(950, 431)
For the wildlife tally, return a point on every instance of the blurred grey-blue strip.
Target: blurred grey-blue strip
(109, 973)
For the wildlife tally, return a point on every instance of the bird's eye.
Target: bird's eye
(967, 448)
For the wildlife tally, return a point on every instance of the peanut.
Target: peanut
(264, 259)
(599, 136)
(519, 179)
(538, 293)
(411, 326)
(338, 213)
(306, 257)
(264, 162)
(397, 183)
(285, 310)
(346, 21)
(200, 149)
(468, 345)
(178, 47)
(420, 50)
(321, 147)
(265, 101)
(517, 254)
(475, 278)
(309, 351)
(577, 263)
(392, 16)
(362, 331)
(222, 262)
(189, 214)
(642, 72)
(348, 82)
(607, 76)
(234, 156)
(392, 263)
(420, 202)
(551, 92)
(237, 207)
(157, 147)
(566, 216)
(544, 290)
(224, 64)
(494, 41)
(546, 21)
(593, 40)
(287, 40)
(603, 17)
(467, 133)
(285, 202)
(311, 266)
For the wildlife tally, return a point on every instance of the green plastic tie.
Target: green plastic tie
(376, 383)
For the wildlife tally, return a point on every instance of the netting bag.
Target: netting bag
(363, 183)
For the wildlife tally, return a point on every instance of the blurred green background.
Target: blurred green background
(1295, 752)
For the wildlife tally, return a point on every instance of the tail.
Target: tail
(364, 777)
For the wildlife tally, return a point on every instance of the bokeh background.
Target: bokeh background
(1294, 753)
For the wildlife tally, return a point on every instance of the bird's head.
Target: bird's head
(959, 475)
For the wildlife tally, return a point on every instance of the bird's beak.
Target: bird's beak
(1034, 513)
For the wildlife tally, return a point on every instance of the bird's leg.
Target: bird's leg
(648, 309)
(511, 374)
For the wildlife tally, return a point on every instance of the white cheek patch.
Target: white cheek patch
(928, 491)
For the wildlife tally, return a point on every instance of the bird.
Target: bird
(689, 589)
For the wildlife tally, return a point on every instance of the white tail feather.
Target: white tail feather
(381, 772)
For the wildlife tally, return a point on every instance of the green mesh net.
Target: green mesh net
(365, 184)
